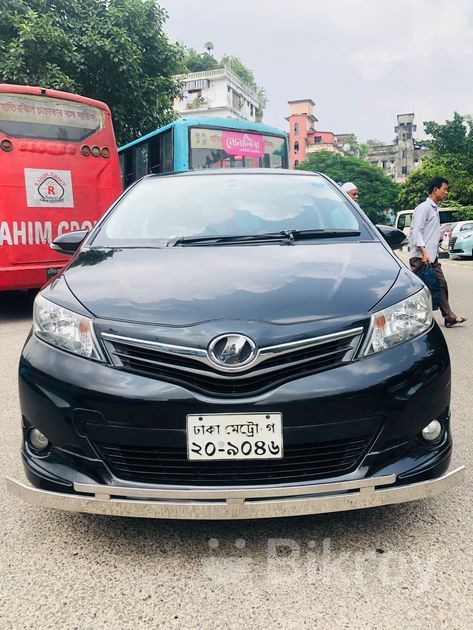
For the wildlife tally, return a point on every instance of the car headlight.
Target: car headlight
(400, 322)
(64, 329)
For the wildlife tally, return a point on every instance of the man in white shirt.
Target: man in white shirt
(424, 240)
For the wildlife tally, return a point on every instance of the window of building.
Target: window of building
(237, 101)
(296, 129)
(404, 170)
(296, 146)
(317, 139)
(296, 162)
(404, 153)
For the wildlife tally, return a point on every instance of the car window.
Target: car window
(160, 208)
(466, 226)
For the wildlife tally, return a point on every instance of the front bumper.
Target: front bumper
(236, 503)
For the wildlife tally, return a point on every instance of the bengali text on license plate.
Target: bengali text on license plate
(234, 436)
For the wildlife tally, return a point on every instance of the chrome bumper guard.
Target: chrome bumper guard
(236, 503)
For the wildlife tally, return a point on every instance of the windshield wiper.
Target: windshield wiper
(284, 235)
(236, 238)
(300, 234)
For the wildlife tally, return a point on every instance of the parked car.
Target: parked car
(445, 233)
(234, 344)
(461, 244)
(461, 226)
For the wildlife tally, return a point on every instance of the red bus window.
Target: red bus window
(45, 118)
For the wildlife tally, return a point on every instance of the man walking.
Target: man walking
(424, 240)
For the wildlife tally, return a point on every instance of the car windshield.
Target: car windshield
(159, 210)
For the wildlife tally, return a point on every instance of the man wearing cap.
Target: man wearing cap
(351, 190)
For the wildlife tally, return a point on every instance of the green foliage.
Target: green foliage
(454, 137)
(112, 50)
(244, 73)
(354, 148)
(451, 157)
(377, 191)
(465, 213)
(194, 61)
(198, 62)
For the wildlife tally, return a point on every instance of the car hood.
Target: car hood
(273, 283)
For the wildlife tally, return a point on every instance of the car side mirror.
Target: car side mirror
(395, 238)
(69, 242)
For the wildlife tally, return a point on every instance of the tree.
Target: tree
(454, 137)
(451, 157)
(353, 148)
(111, 50)
(378, 192)
(198, 62)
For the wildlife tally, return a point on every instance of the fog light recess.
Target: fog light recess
(432, 431)
(37, 440)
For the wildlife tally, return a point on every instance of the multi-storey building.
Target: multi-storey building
(218, 92)
(397, 160)
(303, 137)
(401, 157)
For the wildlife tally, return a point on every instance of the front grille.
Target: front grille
(202, 377)
(302, 462)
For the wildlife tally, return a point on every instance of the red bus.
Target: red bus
(59, 172)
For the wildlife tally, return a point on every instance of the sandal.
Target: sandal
(450, 323)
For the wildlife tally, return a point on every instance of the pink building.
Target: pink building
(303, 137)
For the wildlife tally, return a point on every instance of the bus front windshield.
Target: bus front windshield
(229, 148)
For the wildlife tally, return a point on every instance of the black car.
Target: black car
(233, 344)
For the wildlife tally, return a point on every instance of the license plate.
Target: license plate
(52, 271)
(234, 436)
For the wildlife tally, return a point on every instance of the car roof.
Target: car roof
(459, 224)
(238, 171)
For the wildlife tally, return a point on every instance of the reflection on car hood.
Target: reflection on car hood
(273, 283)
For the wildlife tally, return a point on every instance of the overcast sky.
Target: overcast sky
(361, 61)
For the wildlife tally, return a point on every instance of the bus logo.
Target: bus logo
(51, 190)
(48, 188)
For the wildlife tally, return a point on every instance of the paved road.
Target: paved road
(406, 566)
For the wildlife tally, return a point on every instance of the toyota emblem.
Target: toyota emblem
(232, 351)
